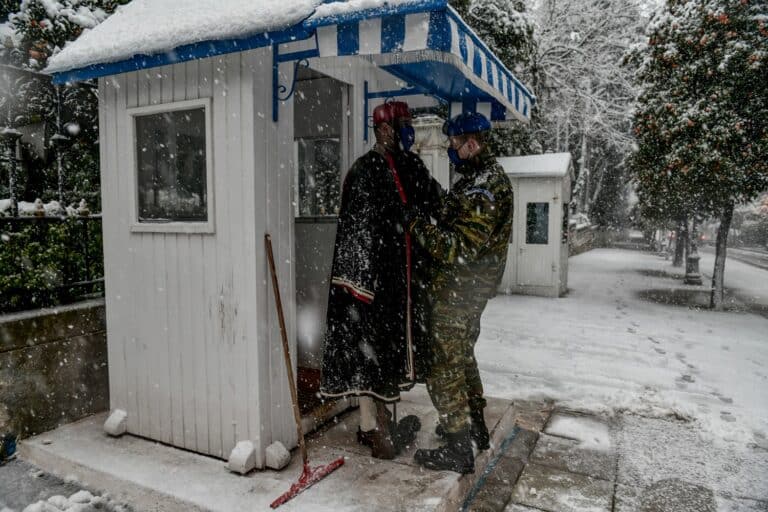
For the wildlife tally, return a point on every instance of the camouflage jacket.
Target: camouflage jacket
(469, 242)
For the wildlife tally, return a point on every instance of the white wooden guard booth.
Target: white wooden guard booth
(537, 261)
(223, 120)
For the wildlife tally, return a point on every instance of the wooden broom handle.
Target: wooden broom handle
(286, 349)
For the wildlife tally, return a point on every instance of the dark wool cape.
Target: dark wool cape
(370, 346)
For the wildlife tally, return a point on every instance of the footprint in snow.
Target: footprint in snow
(653, 340)
(688, 378)
(659, 350)
(632, 330)
(724, 399)
(727, 416)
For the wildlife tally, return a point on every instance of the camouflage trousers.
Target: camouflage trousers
(454, 380)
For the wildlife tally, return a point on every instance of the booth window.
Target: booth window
(537, 223)
(172, 165)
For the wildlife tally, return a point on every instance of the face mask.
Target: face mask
(407, 137)
(453, 156)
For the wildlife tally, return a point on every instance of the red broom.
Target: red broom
(309, 475)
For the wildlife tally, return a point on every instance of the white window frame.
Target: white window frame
(172, 226)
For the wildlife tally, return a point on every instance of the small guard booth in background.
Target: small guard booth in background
(537, 261)
(217, 125)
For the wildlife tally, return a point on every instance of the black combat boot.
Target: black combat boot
(456, 455)
(477, 430)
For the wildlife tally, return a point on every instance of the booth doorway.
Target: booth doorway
(321, 156)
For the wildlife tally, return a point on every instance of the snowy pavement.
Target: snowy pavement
(610, 345)
(686, 385)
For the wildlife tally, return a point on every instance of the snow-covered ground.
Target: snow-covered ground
(606, 347)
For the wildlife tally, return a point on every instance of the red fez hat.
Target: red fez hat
(390, 111)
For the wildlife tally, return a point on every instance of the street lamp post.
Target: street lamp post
(692, 274)
(10, 137)
(60, 143)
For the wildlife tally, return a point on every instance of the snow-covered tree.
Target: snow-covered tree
(46, 26)
(586, 94)
(702, 123)
(8, 7)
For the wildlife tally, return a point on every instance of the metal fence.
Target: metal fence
(47, 261)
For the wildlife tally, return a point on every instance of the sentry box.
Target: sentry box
(217, 126)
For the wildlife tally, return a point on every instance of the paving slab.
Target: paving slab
(493, 489)
(156, 477)
(514, 507)
(592, 432)
(29, 485)
(731, 504)
(555, 490)
(571, 455)
(654, 449)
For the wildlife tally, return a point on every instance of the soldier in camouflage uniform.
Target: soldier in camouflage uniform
(469, 247)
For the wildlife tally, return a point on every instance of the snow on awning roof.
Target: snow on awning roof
(150, 27)
(533, 166)
(423, 42)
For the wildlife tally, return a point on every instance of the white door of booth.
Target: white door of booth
(534, 206)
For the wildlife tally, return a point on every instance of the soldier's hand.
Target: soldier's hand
(409, 215)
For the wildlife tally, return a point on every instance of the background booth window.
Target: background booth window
(537, 223)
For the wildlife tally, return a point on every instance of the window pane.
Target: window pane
(537, 223)
(170, 153)
(319, 177)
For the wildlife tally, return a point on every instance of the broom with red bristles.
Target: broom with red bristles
(309, 475)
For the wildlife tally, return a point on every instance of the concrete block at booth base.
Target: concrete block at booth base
(117, 423)
(242, 459)
(277, 456)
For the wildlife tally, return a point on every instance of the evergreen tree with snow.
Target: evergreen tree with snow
(702, 124)
(508, 30)
(46, 26)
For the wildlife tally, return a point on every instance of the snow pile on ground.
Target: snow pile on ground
(591, 434)
(608, 347)
(157, 26)
(81, 501)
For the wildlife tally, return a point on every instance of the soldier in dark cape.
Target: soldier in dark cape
(375, 334)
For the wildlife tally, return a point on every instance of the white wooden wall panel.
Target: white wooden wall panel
(116, 316)
(194, 344)
(277, 163)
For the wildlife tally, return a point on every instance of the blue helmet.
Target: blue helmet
(467, 122)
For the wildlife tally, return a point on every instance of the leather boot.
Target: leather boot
(477, 430)
(456, 455)
(380, 438)
(403, 435)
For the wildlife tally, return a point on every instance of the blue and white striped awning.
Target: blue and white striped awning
(434, 49)
(423, 42)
